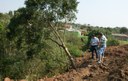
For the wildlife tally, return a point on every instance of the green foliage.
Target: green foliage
(12, 67)
(53, 10)
(50, 61)
(29, 54)
(74, 43)
(113, 42)
(72, 38)
(123, 42)
(84, 39)
(26, 52)
(75, 51)
(124, 30)
(4, 20)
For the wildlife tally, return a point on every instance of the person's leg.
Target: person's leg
(96, 52)
(92, 53)
(92, 49)
(100, 58)
(103, 52)
(100, 55)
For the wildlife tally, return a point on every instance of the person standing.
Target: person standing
(101, 47)
(94, 44)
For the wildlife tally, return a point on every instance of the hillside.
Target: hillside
(114, 68)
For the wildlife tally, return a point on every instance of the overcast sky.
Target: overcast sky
(94, 12)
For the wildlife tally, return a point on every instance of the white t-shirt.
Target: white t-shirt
(103, 41)
(94, 41)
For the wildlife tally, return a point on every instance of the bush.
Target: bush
(84, 47)
(123, 42)
(74, 43)
(50, 61)
(113, 42)
(75, 51)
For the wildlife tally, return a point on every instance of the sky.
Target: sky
(107, 13)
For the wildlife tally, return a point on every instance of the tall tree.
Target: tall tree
(38, 21)
(124, 30)
(4, 20)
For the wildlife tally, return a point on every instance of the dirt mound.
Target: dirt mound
(114, 68)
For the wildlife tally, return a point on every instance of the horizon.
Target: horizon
(107, 13)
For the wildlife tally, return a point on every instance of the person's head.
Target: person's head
(93, 35)
(100, 34)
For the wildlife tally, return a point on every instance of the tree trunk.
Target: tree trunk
(63, 46)
(69, 56)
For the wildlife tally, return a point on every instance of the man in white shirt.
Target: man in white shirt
(94, 43)
(104, 43)
(101, 47)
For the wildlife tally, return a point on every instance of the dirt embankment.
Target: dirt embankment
(114, 67)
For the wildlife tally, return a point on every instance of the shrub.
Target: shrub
(50, 61)
(74, 43)
(84, 47)
(113, 42)
(75, 51)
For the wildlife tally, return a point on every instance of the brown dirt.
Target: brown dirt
(114, 67)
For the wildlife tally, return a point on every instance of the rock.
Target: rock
(122, 73)
(92, 75)
(94, 67)
(71, 79)
(7, 79)
(103, 67)
(89, 66)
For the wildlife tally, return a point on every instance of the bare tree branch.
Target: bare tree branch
(55, 41)
(56, 33)
(63, 46)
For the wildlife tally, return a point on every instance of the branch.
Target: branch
(55, 42)
(57, 34)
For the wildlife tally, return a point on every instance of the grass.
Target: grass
(123, 42)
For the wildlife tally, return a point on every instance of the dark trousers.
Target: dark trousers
(94, 50)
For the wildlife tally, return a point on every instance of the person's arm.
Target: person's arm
(99, 44)
(98, 41)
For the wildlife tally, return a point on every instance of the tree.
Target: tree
(38, 21)
(124, 30)
(4, 20)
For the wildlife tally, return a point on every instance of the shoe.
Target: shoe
(99, 62)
